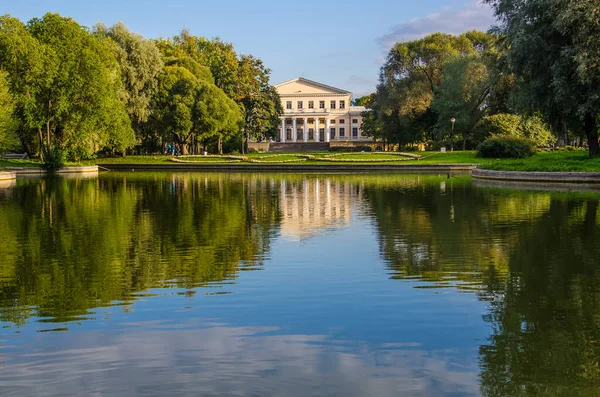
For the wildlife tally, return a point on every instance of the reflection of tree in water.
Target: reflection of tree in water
(87, 243)
(546, 324)
(534, 256)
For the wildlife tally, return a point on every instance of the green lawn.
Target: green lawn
(549, 161)
(542, 161)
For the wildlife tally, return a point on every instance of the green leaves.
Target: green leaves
(553, 50)
(66, 84)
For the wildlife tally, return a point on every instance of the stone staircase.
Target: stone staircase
(290, 147)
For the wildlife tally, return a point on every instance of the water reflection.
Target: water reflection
(313, 206)
(218, 359)
(403, 285)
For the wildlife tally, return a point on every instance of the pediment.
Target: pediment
(302, 86)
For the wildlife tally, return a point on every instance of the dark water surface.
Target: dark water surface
(157, 284)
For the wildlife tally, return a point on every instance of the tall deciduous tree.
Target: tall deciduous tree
(553, 50)
(415, 72)
(140, 63)
(186, 107)
(70, 96)
(8, 125)
(259, 100)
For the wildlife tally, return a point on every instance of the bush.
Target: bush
(504, 146)
(363, 148)
(532, 128)
(54, 158)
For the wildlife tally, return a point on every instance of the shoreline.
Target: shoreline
(537, 176)
(18, 171)
(292, 167)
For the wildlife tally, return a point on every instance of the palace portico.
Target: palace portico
(315, 112)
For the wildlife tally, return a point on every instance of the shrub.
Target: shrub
(54, 158)
(363, 148)
(504, 146)
(532, 128)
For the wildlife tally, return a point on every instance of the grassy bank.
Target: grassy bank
(577, 161)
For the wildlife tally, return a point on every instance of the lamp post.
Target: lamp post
(452, 120)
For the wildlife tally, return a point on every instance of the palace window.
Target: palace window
(354, 132)
(332, 133)
(342, 104)
(354, 121)
(288, 121)
(288, 105)
(321, 104)
(342, 121)
(342, 132)
(331, 121)
(311, 104)
(299, 104)
(311, 133)
(332, 104)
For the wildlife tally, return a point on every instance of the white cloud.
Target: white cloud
(189, 359)
(473, 15)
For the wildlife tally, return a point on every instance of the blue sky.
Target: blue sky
(340, 43)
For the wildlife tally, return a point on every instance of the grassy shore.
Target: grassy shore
(555, 161)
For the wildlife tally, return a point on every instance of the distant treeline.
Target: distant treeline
(65, 88)
(536, 75)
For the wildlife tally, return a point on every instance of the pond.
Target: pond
(174, 284)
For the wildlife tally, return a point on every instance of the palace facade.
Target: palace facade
(315, 112)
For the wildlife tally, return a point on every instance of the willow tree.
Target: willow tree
(553, 50)
(140, 62)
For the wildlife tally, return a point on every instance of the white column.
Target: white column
(327, 127)
(305, 132)
(294, 130)
(317, 129)
(283, 130)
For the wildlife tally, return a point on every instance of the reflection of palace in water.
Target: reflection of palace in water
(311, 206)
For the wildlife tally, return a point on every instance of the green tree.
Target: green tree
(8, 137)
(71, 95)
(552, 50)
(243, 78)
(414, 73)
(186, 109)
(462, 95)
(140, 63)
(259, 100)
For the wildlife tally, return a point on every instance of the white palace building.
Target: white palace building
(315, 112)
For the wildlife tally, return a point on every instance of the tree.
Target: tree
(186, 107)
(259, 100)
(215, 115)
(140, 63)
(243, 78)
(70, 96)
(462, 94)
(200, 71)
(439, 73)
(173, 103)
(8, 136)
(552, 49)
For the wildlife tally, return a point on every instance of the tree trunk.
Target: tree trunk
(220, 146)
(243, 136)
(464, 140)
(41, 145)
(48, 133)
(590, 126)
